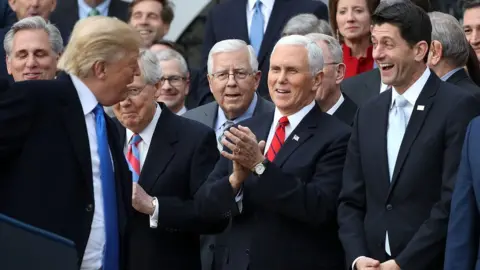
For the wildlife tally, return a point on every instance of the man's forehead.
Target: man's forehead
(471, 16)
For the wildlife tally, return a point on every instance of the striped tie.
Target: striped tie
(278, 139)
(133, 157)
(93, 12)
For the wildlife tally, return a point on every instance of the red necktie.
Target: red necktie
(278, 139)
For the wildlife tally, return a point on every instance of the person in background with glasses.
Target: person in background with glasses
(329, 95)
(175, 80)
(233, 77)
(168, 165)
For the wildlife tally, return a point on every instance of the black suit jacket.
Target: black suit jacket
(347, 110)
(414, 207)
(45, 164)
(65, 14)
(362, 87)
(177, 164)
(288, 217)
(462, 80)
(228, 20)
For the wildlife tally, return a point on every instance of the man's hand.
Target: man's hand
(365, 263)
(141, 201)
(238, 176)
(244, 146)
(389, 265)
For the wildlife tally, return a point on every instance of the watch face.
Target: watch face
(260, 168)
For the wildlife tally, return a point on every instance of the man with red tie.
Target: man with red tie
(280, 173)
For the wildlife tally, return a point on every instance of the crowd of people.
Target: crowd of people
(339, 136)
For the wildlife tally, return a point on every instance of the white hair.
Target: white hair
(332, 44)
(170, 54)
(448, 31)
(303, 24)
(231, 45)
(315, 53)
(149, 67)
(34, 23)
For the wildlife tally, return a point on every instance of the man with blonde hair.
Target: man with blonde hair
(62, 168)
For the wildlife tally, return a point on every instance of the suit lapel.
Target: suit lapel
(277, 20)
(373, 83)
(415, 124)
(239, 18)
(161, 150)
(378, 135)
(303, 132)
(74, 121)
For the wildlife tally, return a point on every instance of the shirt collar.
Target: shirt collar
(267, 3)
(182, 111)
(337, 105)
(294, 119)
(147, 133)
(221, 118)
(450, 73)
(87, 98)
(412, 93)
(102, 8)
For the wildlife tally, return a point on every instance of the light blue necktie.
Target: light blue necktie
(111, 253)
(256, 29)
(397, 123)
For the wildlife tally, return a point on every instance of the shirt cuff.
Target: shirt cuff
(239, 199)
(355, 261)
(154, 217)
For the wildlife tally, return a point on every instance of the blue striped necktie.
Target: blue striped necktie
(256, 29)
(133, 157)
(111, 253)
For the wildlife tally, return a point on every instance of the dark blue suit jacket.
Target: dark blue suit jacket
(464, 226)
(229, 21)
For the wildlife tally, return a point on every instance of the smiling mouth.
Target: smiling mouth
(32, 75)
(282, 91)
(385, 67)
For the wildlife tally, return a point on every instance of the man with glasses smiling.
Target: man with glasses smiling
(233, 77)
(175, 80)
(168, 166)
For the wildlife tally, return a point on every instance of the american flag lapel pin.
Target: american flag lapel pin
(295, 138)
(420, 107)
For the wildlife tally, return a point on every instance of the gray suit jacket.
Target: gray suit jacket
(207, 115)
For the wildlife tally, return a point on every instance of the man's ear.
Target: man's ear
(436, 52)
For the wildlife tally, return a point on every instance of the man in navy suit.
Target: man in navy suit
(462, 250)
(257, 24)
(280, 173)
(61, 165)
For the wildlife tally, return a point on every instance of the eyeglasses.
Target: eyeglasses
(175, 81)
(135, 91)
(237, 75)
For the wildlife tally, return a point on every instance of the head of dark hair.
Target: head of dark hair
(167, 9)
(412, 21)
(469, 4)
(423, 4)
(172, 45)
(333, 7)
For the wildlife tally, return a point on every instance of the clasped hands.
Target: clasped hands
(246, 152)
(365, 263)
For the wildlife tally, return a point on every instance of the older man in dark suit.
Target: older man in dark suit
(168, 166)
(257, 22)
(280, 173)
(61, 167)
(404, 152)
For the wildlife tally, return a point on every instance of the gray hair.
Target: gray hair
(315, 53)
(169, 54)
(231, 45)
(332, 44)
(448, 31)
(32, 23)
(149, 67)
(303, 24)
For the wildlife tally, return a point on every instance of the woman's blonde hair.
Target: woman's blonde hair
(97, 38)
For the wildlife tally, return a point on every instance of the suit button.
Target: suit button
(247, 251)
(89, 208)
(211, 246)
(389, 207)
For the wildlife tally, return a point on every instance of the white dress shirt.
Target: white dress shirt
(267, 7)
(92, 259)
(182, 111)
(336, 105)
(84, 9)
(411, 95)
(146, 134)
(383, 86)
